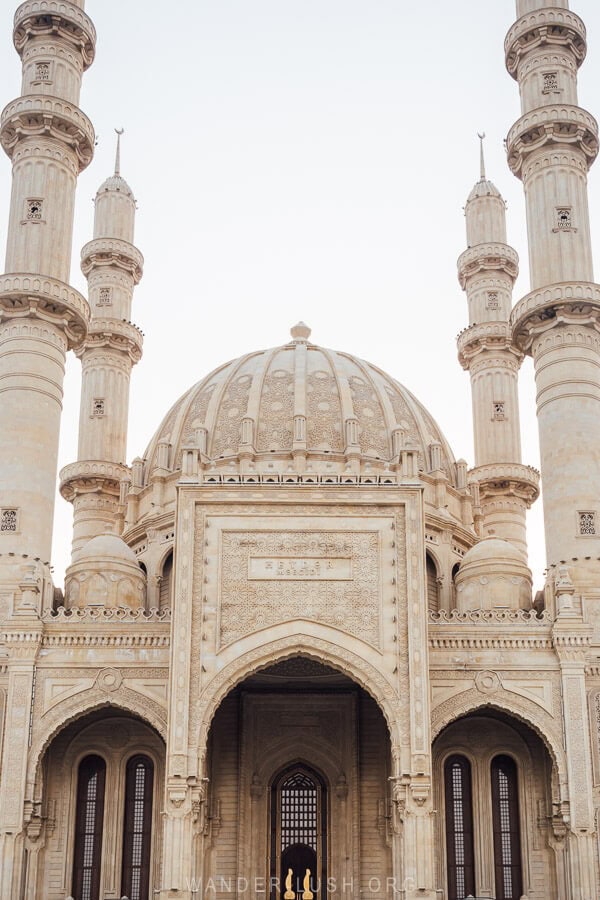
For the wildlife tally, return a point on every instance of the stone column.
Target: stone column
(571, 641)
(550, 148)
(23, 645)
(49, 141)
(112, 266)
(487, 271)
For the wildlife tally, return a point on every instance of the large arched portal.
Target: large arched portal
(298, 765)
(100, 793)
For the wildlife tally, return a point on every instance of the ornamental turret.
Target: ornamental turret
(49, 141)
(550, 148)
(112, 266)
(487, 272)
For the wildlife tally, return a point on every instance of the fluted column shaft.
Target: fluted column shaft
(49, 141)
(112, 266)
(487, 272)
(550, 148)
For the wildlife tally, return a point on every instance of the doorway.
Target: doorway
(298, 868)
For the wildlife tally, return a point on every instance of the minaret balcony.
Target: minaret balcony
(112, 252)
(91, 475)
(573, 303)
(487, 257)
(41, 297)
(57, 18)
(36, 115)
(552, 28)
(489, 338)
(507, 480)
(557, 126)
(114, 334)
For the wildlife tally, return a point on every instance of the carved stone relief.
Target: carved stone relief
(273, 576)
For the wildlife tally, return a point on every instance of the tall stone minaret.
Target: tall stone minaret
(550, 148)
(49, 141)
(487, 271)
(112, 266)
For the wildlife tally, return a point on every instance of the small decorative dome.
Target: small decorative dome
(325, 403)
(493, 575)
(108, 546)
(106, 574)
(492, 549)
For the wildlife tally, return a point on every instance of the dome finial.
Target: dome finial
(300, 332)
(481, 157)
(118, 132)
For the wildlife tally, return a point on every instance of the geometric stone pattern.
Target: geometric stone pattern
(303, 589)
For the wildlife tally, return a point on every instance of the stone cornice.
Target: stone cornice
(575, 303)
(101, 639)
(507, 479)
(490, 630)
(38, 114)
(112, 252)
(487, 257)
(107, 627)
(491, 618)
(103, 615)
(37, 296)
(491, 337)
(115, 334)
(58, 18)
(557, 125)
(91, 475)
(442, 641)
(550, 28)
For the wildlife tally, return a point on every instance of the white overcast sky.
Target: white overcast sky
(301, 159)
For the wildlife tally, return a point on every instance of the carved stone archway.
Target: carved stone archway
(89, 701)
(345, 661)
(524, 711)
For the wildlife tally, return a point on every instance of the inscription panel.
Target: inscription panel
(299, 568)
(268, 577)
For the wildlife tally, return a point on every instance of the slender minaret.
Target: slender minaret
(49, 141)
(487, 271)
(112, 266)
(550, 148)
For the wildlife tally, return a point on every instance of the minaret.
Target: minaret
(49, 141)
(112, 266)
(487, 272)
(550, 148)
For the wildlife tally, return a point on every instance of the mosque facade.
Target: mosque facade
(297, 654)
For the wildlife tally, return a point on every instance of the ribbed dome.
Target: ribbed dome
(116, 183)
(298, 397)
(484, 188)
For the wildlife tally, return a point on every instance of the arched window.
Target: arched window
(166, 582)
(433, 590)
(89, 819)
(455, 571)
(299, 834)
(459, 828)
(137, 828)
(507, 838)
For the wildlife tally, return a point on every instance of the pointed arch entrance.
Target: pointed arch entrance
(298, 768)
